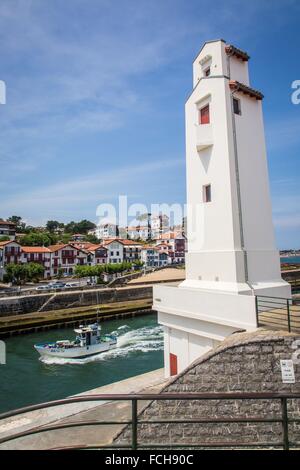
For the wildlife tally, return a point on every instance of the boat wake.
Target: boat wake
(142, 340)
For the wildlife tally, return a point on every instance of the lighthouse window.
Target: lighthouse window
(207, 193)
(236, 106)
(207, 72)
(204, 115)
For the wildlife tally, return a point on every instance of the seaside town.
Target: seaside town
(54, 251)
(151, 335)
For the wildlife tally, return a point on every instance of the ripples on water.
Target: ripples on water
(27, 379)
(143, 340)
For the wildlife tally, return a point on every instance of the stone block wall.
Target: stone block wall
(61, 300)
(245, 362)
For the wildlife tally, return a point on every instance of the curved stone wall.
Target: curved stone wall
(245, 362)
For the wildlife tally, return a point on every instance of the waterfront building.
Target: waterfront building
(132, 250)
(152, 256)
(115, 250)
(10, 252)
(37, 254)
(98, 254)
(105, 230)
(66, 257)
(142, 232)
(231, 254)
(177, 245)
(159, 224)
(7, 229)
(120, 250)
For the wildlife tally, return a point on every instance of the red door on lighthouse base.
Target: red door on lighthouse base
(173, 364)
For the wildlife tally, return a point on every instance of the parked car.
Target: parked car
(68, 285)
(56, 285)
(42, 288)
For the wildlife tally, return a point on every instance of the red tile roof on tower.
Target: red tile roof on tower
(237, 86)
(238, 53)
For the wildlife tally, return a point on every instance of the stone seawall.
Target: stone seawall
(62, 300)
(245, 362)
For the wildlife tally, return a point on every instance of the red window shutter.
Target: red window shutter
(204, 115)
(173, 364)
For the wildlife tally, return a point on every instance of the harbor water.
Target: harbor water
(27, 379)
(290, 259)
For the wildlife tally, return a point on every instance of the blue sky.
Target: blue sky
(96, 92)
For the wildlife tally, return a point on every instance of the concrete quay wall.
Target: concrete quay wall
(62, 300)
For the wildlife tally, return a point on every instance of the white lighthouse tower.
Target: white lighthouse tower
(231, 248)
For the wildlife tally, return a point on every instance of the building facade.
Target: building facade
(98, 254)
(66, 258)
(107, 230)
(231, 247)
(38, 254)
(7, 229)
(10, 252)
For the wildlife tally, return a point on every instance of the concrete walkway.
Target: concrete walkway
(163, 275)
(151, 382)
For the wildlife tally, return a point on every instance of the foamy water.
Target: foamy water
(141, 340)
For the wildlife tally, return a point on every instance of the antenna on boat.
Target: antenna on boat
(98, 308)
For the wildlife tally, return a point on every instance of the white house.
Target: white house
(98, 254)
(107, 230)
(115, 251)
(231, 249)
(120, 250)
(159, 224)
(153, 256)
(40, 255)
(66, 257)
(7, 229)
(10, 252)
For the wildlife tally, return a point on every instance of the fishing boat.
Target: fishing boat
(88, 342)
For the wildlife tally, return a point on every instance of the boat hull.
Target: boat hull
(75, 353)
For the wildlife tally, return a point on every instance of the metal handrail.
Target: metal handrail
(134, 421)
(273, 297)
(263, 305)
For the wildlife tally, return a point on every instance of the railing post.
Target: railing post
(256, 311)
(134, 423)
(288, 314)
(285, 424)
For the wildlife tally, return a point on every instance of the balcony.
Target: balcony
(204, 136)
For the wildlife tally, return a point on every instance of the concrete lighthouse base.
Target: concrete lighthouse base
(197, 320)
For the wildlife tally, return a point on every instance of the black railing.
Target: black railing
(278, 312)
(136, 441)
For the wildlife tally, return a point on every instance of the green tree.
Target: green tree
(15, 273)
(4, 238)
(52, 225)
(17, 220)
(20, 273)
(39, 239)
(34, 271)
(80, 227)
(92, 239)
(60, 273)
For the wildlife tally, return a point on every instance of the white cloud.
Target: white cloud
(87, 191)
